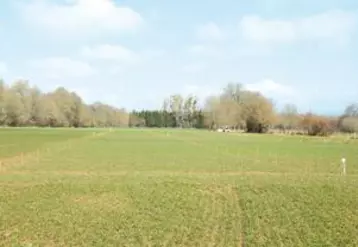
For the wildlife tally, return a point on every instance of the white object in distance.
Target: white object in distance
(344, 165)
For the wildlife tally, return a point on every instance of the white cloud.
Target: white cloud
(272, 89)
(3, 68)
(208, 50)
(62, 67)
(328, 25)
(78, 17)
(91, 94)
(331, 25)
(120, 54)
(114, 53)
(194, 67)
(257, 29)
(210, 31)
(200, 91)
(119, 58)
(197, 49)
(151, 54)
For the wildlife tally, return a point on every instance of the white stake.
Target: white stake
(344, 165)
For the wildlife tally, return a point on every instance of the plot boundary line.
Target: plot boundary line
(167, 173)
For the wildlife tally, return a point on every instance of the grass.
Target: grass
(175, 188)
(15, 141)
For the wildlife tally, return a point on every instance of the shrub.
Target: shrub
(258, 112)
(316, 125)
(349, 125)
(253, 125)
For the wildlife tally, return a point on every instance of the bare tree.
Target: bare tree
(176, 107)
(289, 117)
(2, 102)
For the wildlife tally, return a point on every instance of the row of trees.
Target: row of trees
(25, 105)
(289, 119)
(165, 119)
(234, 107)
(177, 112)
(237, 108)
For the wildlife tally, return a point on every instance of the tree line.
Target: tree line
(25, 105)
(236, 108)
(177, 112)
(233, 108)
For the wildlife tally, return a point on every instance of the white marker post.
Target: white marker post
(343, 160)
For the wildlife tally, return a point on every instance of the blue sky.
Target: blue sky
(133, 53)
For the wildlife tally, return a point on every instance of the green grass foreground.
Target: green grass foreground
(63, 187)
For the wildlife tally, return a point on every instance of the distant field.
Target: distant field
(15, 141)
(175, 188)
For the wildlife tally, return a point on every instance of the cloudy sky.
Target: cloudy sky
(133, 53)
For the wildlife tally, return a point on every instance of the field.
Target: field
(127, 187)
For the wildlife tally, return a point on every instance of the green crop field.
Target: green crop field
(128, 187)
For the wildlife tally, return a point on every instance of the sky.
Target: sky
(134, 53)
